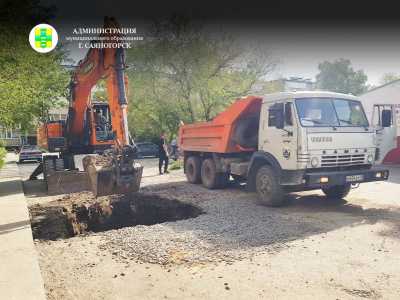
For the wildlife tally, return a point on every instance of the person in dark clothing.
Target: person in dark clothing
(101, 121)
(162, 155)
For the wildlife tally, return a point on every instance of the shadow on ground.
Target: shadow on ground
(237, 220)
(15, 226)
(10, 187)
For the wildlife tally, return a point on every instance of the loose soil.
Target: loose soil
(81, 213)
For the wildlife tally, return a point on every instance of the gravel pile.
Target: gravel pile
(233, 227)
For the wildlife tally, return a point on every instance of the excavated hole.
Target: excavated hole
(66, 218)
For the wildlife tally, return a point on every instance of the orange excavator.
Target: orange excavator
(93, 127)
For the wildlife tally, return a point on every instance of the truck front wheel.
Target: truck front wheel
(192, 169)
(269, 190)
(337, 192)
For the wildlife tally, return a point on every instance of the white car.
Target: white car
(30, 152)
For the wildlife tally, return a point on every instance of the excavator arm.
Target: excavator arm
(115, 170)
(107, 64)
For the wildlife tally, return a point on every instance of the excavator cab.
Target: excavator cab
(113, 170)
(102, 121)
(102, 133)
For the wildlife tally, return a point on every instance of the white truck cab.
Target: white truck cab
(319, 129)
(318, 140)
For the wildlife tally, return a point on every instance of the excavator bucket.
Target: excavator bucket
(105, 177)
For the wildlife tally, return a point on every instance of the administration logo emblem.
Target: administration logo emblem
(43, 38)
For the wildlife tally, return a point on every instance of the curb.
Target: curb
(20, 276)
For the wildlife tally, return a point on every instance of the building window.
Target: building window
(8, 133)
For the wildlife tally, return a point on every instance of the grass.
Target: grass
(3, 153)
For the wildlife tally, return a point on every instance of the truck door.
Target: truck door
(386, 120)
(280, 140)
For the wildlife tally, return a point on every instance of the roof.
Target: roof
(381, 86)
(307, 94)
(58, 110)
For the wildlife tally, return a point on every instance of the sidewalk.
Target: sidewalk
(20, 276)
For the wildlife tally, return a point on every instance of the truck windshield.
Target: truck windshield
(322, 112)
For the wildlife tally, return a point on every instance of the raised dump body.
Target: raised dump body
(234, 130)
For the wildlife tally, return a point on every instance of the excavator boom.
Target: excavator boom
(96, 128)
(115, 172)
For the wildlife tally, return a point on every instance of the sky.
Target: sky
(376, 50)
(298, 38)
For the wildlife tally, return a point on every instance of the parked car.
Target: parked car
(147, 150)
(30, 152)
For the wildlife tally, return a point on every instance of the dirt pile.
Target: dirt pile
(98, 160)
(102, 161)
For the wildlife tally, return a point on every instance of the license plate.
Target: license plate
(354, 178)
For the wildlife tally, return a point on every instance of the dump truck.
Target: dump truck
(284, 142)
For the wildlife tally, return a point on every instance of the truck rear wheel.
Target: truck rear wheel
(193, 169)
(210, 178)
(269, 190)
(337, 192)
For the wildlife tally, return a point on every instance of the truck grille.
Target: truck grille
(342, 160)
(303, 157)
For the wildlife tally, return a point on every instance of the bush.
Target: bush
(3, 153)
(176, 165)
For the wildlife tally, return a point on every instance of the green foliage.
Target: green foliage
(339, 76)
(184, 73)
(99, 92)
(389, 77)
(176, 165)
(29, 12)
(3, 153)
(30, 82)
(273, 86)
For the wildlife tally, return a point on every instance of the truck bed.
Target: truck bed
(221, 134)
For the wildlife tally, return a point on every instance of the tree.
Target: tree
(3, 154)
(185, 72)
(339, 76)
(389, 77)
(99, 91)
(30, 82)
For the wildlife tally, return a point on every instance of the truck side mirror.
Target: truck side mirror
(386, 118)
(277, 115)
